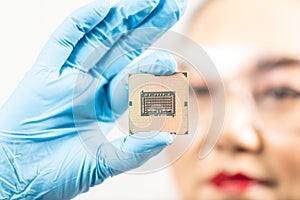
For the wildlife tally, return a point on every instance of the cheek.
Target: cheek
(184, 171)
(283, 155)
(191, 173)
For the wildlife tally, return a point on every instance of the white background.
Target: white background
(25, 27)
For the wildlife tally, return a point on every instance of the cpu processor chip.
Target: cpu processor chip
(158, 103)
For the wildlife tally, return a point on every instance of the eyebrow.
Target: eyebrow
(268, 64)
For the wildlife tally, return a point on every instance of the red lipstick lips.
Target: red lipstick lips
(237, 183)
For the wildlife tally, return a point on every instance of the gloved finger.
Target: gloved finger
(124, 16)
(131, 152)
(66, 36)
(131, 45)
(158, 63)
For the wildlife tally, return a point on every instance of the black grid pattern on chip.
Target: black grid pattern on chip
(158, 103)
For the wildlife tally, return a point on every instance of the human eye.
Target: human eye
(278, 93)
(201, 91)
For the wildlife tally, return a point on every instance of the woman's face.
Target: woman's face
(256, 46)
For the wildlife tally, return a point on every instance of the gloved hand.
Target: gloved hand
(52, 127)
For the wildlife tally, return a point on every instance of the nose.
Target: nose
(240, 133)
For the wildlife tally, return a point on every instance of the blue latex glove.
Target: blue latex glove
(48, 126)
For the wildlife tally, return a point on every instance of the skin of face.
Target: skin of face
(259, 43)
